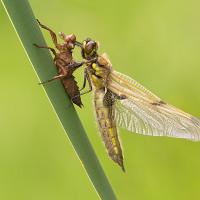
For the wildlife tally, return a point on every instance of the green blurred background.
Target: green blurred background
(155, 42)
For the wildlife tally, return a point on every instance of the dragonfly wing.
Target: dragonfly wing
(142, 112)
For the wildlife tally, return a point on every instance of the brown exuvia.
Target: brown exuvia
(65, 63)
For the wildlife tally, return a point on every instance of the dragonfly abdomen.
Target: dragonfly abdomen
(108, 127)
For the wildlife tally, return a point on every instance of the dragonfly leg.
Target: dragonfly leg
(62, 73)
(89, 82)
(46, 47)
(76, 64)
(53, 35)
(79, 64)
(86, 78)
(54, 78)
(79, 44)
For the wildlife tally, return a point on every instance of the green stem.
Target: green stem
(23, 20)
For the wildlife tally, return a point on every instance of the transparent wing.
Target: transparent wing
(142, 112)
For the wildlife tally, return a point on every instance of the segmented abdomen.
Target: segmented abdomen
(107, 127)
(72, 89)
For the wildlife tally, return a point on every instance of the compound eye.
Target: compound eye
(90, 46)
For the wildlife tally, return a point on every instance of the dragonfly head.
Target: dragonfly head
(89, 48)
(69, 40)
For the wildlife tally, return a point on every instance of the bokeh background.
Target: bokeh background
(155, 42)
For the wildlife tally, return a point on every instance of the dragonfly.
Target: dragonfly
(65, 63)
(120, 101)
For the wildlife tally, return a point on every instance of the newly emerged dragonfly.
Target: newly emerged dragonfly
(65, 63)
(121, 101)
